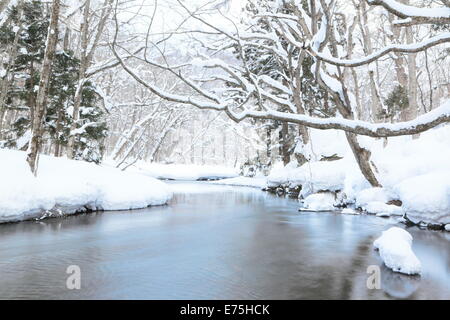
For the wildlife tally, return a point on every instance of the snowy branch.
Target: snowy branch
(397, 48)
(414, 15)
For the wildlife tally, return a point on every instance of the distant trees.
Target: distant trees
(368, 67)
(39, 87)
(37, 124)
(293, 72)
(90, 37)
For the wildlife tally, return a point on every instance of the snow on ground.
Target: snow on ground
(394, 246)
(319, 145)
(257, 182)
(415, 171)
(318, 176)
(374, 201)
(70, 186)
(186, 172)
(428, 193)
(369, 195)
(382, 209)
(323, 201)
(349, 211)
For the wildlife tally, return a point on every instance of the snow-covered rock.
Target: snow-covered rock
(280, 175)
(394, 246)
(71, 186)
(418, 173)
(323, 201)
(365, 196)
(382, 209)
(447, 227)
(427, 194)
(383, 214)
(317, 176)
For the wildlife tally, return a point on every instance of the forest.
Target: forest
(335, 106)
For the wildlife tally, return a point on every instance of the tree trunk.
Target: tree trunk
(58, 130)
(37, 131)
(85, 61)
(5, 82)
(410, 113)
(81, 79)
(377, 105)
(31, 98)
(284, 143)
(269, 144)
(302, 130)
(394, 37)
(343, 103)
(362, 157)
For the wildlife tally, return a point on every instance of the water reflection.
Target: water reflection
(398, 285)
(219, 243)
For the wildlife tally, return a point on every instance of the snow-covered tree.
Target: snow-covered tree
(320, 30)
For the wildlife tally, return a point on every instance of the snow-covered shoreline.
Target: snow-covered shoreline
(415, 174)
(65, 187)
(182, 172)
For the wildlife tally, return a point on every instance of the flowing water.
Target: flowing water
(214, 242)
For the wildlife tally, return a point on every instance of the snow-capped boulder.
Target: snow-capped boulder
(394, 246)
(323, 201)
(382, 209)
(314, 176)
(427, 197)
(365, 196)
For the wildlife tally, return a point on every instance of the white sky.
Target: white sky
(170, 13)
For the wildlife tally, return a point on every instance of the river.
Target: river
(214, 242)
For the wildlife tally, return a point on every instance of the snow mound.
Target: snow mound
(318, 176)
(414, 171)
(69, 186)
(394, 246)
(349, 211)
(417, 171)
(319, 146)
(427, 193)
(382, 209)
(323, 201)
(365, 196)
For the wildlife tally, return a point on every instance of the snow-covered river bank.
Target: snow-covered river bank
(214, 242)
